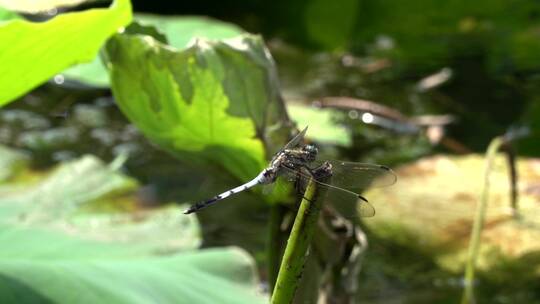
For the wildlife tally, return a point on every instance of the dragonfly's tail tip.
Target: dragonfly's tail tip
(385, 168)
(363, 198)
(188, 211)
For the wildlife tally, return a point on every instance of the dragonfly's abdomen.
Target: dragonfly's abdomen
(258, 180)
(268, 176)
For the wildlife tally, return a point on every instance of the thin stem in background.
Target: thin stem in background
(468, 294)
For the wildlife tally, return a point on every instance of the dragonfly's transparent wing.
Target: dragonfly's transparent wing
(268, 188)
(342, 199)
(296, 140)
(357, 177)
(293, 143)
(291, 180)
(333, 194)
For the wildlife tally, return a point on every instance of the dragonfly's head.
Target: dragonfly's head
(310, 152)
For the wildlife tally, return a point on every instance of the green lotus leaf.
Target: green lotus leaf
(34, 52)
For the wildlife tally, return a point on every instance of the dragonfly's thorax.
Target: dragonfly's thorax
(292, 159)
(270, 174)
(299, 157)
(289, 158)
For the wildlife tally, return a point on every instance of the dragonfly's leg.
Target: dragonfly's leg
(321, 174)
(299, 183)
(324, 171)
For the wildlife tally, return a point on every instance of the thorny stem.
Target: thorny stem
(292, 264)
(468, 296)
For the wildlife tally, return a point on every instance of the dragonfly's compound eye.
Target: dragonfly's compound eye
(311, 152)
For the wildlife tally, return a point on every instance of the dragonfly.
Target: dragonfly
(297, 162)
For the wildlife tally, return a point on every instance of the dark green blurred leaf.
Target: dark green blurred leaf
(330, 23)
(426, 34)
(530, 145)
(34, 52)
(524, 49)
(136, 28)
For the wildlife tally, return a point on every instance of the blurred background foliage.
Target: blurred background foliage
(477, 63)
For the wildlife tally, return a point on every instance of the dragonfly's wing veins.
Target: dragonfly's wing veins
(268, 188)
(296, 140)
(342, 199)
(333, 194)
(357, 177)
(365, 209)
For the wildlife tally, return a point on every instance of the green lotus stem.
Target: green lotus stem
(474, 245)
(295, 254)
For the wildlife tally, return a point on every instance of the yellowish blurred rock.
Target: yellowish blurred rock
(431, 208)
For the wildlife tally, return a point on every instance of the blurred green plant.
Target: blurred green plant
(415, 36)
(479, 219)
(59, 245)
(34, 52)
